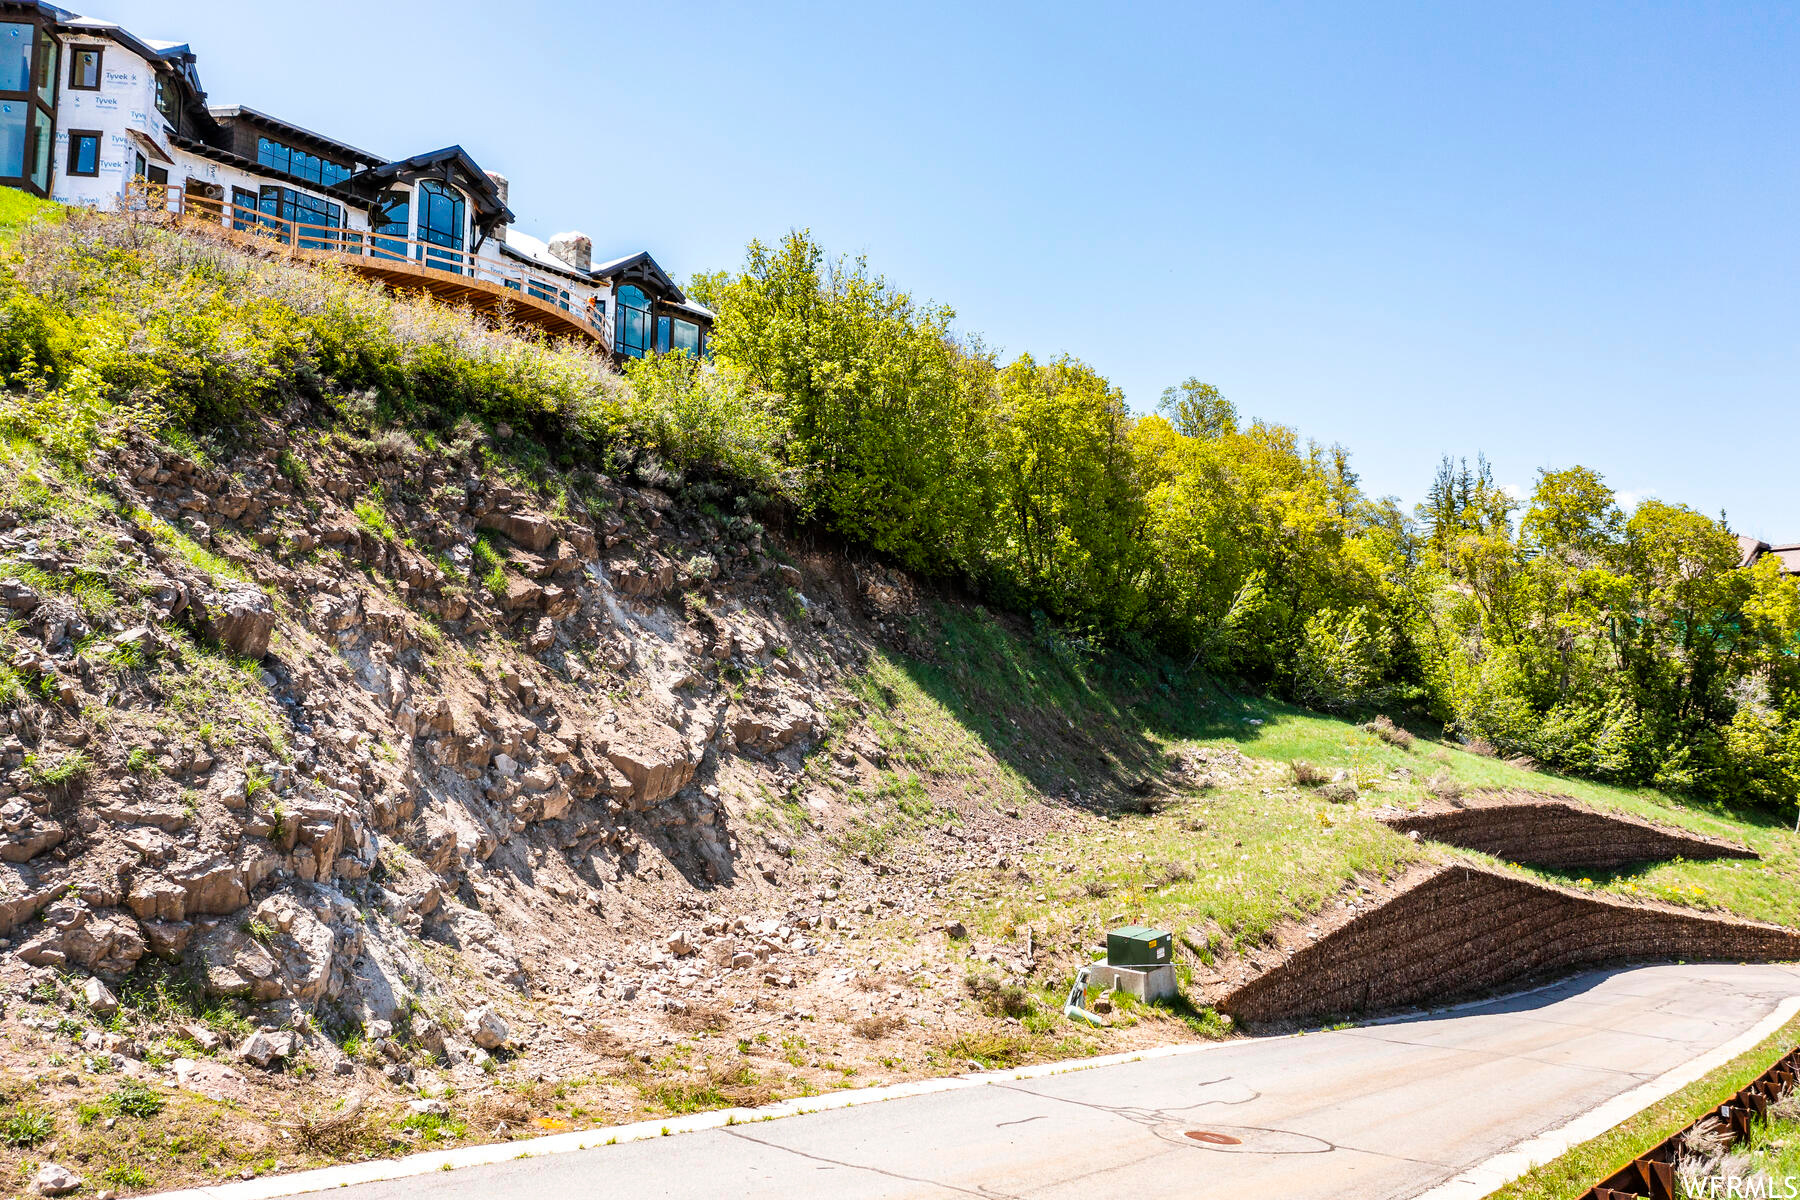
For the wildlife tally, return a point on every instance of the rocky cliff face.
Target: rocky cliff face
(295, 720)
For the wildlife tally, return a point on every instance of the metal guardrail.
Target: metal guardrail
(1651, 1175)
(366, 248)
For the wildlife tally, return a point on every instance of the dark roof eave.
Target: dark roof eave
(620, 267)
(487, 197)
(225, 112)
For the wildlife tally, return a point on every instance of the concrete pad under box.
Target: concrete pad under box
(1149, 984)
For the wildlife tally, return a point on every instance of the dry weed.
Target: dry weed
(875, 1027)
(1308, 774)
(1384, 728)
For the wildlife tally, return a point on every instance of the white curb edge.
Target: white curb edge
(1488, 1177)
(1472, 1184)
(323, 1178)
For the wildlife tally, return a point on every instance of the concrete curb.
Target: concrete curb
(1471, 1184)
(1488, 1177)
(325, 1178)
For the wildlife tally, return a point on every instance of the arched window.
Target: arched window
(393, 214)
(634, 325)
(441, 211)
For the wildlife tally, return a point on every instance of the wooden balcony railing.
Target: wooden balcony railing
(447, 271)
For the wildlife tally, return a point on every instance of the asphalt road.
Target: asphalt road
(1382, 1110)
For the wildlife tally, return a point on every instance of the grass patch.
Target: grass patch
(56, 772)
(134, 1099)
(731, 1085)
(989, 1051)
(180, 544)
(371, 514)
(25, 1127)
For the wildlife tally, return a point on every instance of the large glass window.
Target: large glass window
(46, 69)
(393, 215)
(243, 208)
(27, 96)
(686, 336)
(165, 97)
(441, 211)
(13, 116)
(633, 335)
(299, 163)
(289, 205)
(38, 160)
(15, 56)
(84, 68)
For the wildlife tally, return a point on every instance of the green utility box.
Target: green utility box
(1138, 946)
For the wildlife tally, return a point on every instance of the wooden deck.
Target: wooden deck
(489, 298)
(499, 291)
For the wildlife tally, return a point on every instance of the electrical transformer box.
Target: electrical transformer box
(1138, 946)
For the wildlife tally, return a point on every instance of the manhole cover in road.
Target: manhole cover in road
(1214, 1139)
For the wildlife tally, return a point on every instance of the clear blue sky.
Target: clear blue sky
(1557, 235)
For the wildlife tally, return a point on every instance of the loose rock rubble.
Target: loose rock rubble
(416, 774)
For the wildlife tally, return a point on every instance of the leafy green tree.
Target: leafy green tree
(1069, 513)
(887, 411)
(1197, 410)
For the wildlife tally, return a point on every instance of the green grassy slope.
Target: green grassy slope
(979, 708)
(17, 209)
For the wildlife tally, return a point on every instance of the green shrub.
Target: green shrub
(134, 1099)
(26, 1127)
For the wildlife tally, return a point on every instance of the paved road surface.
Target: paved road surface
(1385, 1110)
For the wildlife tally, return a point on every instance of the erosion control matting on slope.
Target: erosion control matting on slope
(1557, 832)
(1463, 930)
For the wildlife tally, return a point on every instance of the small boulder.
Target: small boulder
(99, 998)
(202, 1037)
(429, 1107)
(263, 1049)
(17, 597)
(485, 1028)
(53, 1180)
(244, 620)
(529, 530)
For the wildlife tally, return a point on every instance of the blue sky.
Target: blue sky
(1554, 234)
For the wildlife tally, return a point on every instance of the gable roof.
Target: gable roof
(453, 165)
(640, 268)
(1750, 550)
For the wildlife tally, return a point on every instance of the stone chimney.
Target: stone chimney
(505, 189)
(576, 249)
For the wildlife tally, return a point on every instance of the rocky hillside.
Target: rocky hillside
(296, 716)
(335, 758)
(365, 789)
